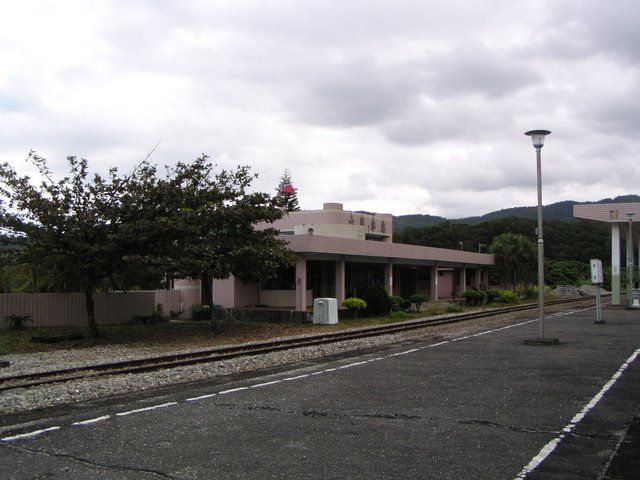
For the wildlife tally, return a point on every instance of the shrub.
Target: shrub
(199, 311)
(17, 322)
(506, 296)
(418, 299)
(396, 302)
(400, 314)
(474, 297)
(453, 308)
(377, 300)
(354, 305)
(492, 295)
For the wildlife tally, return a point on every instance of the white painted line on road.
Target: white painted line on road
(91, 421)
(231, 390)
(551, 446)
(288, 379)
(35, 433)
(146, 409)
(257, 385)
(352, 365)
(193, 399)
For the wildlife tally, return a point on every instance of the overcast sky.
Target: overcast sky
(391, 106)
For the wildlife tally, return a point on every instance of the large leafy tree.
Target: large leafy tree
(221, 228)
(86, 231)
(91, 232)
(286, 194)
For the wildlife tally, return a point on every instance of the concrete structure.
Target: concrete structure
(340, 253)
(618, 215)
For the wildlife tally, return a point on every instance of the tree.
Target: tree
(87, 232)
(515, 259)
(287, 196)
(93, 232)
(219, 228)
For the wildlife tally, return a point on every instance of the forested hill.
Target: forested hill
(562, 211)
(577, 241)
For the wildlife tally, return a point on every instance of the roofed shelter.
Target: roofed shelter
(621, 216)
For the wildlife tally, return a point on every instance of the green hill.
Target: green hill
(562, 211)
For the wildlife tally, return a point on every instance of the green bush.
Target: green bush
(17, 322)
(418, 299)
(377, 300)
(492, 295)
(354, 305)
(400, 314)
(506, 296)
(453, 308)
(199, 311)
(396, 302)
(474, 297)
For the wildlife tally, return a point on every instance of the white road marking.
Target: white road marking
(231, 390)
(288, 379)
(257, 385)
(193, 399)
(91, 420)
(551, 446)
(35, 433)
(146, 409)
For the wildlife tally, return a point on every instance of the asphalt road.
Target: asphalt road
(479, 407)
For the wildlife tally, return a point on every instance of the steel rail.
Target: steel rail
(224, 353)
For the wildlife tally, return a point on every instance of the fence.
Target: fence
(68, 309)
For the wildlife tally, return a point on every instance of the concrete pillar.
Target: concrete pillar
(463, 280)
(615, 264)
(433, 282)
(388, 278)
(301, 283)
(340, 280)
(629, 259)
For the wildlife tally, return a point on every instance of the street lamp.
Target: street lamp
(537, 137)
(630, 258)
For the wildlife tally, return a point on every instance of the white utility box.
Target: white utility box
(325, 311)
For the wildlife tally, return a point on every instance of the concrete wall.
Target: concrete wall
(333, 214)
(68, 309)
(282, 298)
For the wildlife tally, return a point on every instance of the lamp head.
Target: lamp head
(537, 137)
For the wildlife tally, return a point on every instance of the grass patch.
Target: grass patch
(179, 334)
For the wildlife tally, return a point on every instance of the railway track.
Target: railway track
(224, 353)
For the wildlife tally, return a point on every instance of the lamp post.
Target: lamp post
(630, 258)
(537, 137)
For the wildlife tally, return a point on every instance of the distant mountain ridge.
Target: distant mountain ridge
(555, 211)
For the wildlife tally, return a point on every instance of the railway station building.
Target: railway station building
(620, 217)
(340, 253)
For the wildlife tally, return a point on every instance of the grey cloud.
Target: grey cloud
(354, 93)
(476, 69)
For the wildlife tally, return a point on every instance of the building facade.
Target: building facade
(340, 253)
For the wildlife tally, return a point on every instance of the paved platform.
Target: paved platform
(483, 406)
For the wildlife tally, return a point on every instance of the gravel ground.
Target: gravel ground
(20, 400)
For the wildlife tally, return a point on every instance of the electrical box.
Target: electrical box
(596, 271)
(325, 311)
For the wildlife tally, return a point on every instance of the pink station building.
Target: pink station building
(339, 254)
